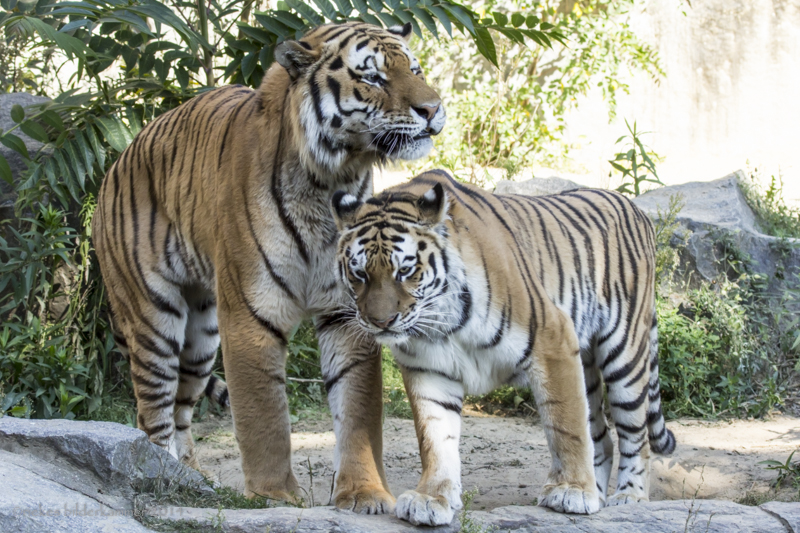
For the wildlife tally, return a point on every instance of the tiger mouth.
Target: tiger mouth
(394, 142)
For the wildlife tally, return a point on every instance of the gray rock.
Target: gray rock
(787, 513)
(120, 459)
(654, 517)
(716, 211)
(30, 503)
(536, 186)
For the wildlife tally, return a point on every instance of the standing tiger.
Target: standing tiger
(215, 224)
(473, 290)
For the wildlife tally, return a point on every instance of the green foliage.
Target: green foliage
(787, 471)
(634, 163)
(395, 401)
(513, 116)
(668, 245)
(775, 217)
(303, 371)
(128, 63)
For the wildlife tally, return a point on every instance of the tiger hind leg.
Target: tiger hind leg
(154, 341)
(196, 361)
(598, 426)
(628, 387)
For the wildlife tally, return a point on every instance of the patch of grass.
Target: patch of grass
(468, 524)
(395, 401)
(775, 217)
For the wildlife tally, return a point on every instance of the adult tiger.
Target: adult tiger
(225, 201)
(473, 290)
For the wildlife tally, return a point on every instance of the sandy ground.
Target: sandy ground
(507, 459)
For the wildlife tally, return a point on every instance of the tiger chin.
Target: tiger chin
(214, 227)
(473, 290)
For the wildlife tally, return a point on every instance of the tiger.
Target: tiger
(214, 227)
(472, 290)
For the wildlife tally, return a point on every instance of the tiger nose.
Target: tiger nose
(427, 111)
(383, 324)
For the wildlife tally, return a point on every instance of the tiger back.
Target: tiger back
(214, 226)
(473, 290)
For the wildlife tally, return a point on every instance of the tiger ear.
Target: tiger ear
(433, 206)
(344, 207)
(404, 31)
(295, 57)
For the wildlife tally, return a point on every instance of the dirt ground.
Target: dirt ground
(506, 459)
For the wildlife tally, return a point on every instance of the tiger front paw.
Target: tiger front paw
(566, 498)
(365, 501)
(422, 509)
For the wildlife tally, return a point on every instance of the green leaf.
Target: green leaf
(17, 113)
(97, 148)
(464, 18)
(183, 78)
(327, 9)
(52, 119)
(306, 11)
(258, 34)
(34, 130)
(115, 132)
(266, 57)
(249, 65)
(444, 20)
(485, 44)
(70, 45)
(5, 171)
(16, 144)
(517, 19)
(274, 25)
(345, 7)
(290, 19)
(426, 19)
(531, 21)
(500, 18)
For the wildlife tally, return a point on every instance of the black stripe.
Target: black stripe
(331, 382)
(450, 406)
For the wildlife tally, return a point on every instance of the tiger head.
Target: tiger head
(393, 256)
(360, 91)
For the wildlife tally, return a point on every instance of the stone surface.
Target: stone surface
(67, 476)
(716, 210)
(119, 457)
(788, 513)
(654, 517)
(536, 186)
(31, 503)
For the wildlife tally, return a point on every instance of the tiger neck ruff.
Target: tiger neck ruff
(473, 290)
(214, 225)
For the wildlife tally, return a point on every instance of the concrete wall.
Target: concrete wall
(731, 93)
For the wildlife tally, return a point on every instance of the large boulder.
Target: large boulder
(711, 516)
(62, 475)
(716, 212)
(59, 475)
(536, 186)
